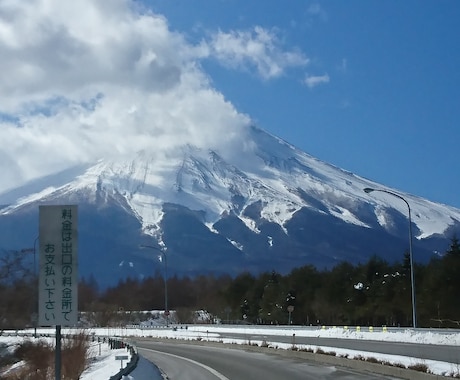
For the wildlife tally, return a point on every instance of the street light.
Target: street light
(35, 313)
(163, 253)
(412, 278)
(34, 252)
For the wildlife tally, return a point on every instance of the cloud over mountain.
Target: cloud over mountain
(282, 208)
(94, 79)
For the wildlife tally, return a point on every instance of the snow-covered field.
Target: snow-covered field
(105, 365)
(103, 359)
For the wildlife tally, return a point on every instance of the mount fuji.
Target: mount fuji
(269, 207)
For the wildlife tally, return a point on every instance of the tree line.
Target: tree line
(373, 293)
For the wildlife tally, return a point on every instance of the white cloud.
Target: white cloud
(54, 47)
(315, 80)
(259, 48)
(88, 79)
(316, 10)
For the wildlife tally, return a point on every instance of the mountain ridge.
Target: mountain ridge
(270, 202)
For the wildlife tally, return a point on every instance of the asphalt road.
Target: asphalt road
(445, 353)
(191, 362)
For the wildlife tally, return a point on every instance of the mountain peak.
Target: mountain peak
(269, 198)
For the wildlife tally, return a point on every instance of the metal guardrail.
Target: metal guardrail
(132, 364)
(446, 331)
(114, 343)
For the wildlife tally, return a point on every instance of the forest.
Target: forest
(374, 293)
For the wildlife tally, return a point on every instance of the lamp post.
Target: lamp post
(34, 252)
(35, 312)
(164, 257)
(412, 277)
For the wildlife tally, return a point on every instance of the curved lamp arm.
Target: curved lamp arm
(412, 277)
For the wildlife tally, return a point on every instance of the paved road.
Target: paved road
(189, 362)
(145, 370)
(445, 353)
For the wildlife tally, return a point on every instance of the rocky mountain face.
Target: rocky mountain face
(268, 207)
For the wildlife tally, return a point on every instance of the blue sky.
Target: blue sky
(370, 86)
(390, 110)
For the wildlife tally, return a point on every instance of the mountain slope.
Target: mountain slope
(268, 206)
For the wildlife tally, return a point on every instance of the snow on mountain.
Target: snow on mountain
(270, 196)
(278, 175)
(281, 175)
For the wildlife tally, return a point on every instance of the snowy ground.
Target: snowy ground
(105, 365)
(103, 360)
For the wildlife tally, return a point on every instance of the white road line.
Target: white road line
(207, 368)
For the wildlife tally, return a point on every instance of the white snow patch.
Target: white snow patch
(236, 244)
(270, 241)
(211, 227)
(251, 224)
(347, 216)
(29, 199)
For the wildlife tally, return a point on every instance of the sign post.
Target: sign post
(121, 357)
(58, 271)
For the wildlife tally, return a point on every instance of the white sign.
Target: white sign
(58, 276)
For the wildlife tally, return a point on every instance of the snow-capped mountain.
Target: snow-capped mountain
(270, 206)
